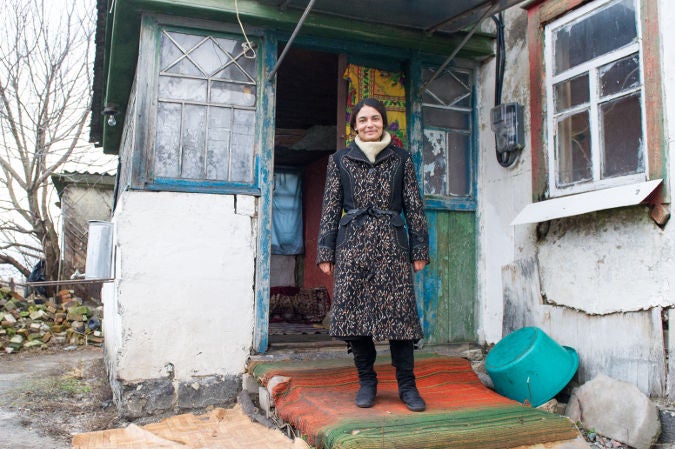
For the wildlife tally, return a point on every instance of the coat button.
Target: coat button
(371, 171)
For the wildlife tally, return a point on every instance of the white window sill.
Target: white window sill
(583, 203)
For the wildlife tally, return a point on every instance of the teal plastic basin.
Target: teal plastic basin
(530, 367)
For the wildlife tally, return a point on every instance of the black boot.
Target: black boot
(403, 360)
(364, 359)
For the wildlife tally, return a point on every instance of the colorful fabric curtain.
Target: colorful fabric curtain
(388, 87)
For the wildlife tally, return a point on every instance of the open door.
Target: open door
(305, 135)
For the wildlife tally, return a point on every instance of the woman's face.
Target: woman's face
(369, 124)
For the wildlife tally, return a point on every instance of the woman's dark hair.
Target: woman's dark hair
(373, 103)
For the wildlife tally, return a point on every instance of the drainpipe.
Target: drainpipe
(290, 41)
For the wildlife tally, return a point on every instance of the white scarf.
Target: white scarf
(372, 149)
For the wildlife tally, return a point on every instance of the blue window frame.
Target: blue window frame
(447, 153)
(205, 136)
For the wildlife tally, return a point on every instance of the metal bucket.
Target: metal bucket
(529, 366)
(99, 250)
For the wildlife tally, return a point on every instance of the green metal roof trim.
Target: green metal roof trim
(123, 31)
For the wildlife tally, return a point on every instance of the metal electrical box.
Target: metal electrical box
(509, 127)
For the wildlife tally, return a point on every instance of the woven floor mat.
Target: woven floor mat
(317, 398)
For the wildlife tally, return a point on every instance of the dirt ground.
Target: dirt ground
(46, 396)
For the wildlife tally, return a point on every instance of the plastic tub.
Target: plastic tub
(530, 367)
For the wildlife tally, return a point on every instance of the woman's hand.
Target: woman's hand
(419, 264)
(326, 267)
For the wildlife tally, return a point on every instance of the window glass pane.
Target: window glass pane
(448, 89)
(167, 140)
(248, 66)
(186, 89)
(185, 67)
(194, 134)
(242, 147)
(570, 93)
(175, 46)
(443, 118)
(185, 41)
(169, 53)
(209, 57)
(234, 72)
(622, 136)
(232, 94)
(218, 143)
(606, 29)
(434, 154)
(573, 149)
(228, 45)
(620, 75)
(458, 146)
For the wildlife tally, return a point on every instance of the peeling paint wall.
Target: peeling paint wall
(608, 261)
(181, 308)
(501, 191)
(597, 282)
(627, 346)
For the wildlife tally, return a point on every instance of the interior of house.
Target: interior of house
(307, 124)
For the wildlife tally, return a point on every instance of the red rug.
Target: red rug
(318, 400)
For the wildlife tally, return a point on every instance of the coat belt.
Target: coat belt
(356, 216)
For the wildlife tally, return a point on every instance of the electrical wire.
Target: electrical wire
(500, 58)
(248, 47)
(505, 158)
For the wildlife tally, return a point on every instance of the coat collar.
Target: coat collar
(356, 154)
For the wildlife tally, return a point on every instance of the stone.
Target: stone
(473, 355)
(617, 410)
(209, 390)
(37, 315)
(667, 417)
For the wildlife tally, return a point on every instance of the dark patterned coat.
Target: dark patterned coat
(363, 233)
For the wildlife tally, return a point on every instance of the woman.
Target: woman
(363, 240)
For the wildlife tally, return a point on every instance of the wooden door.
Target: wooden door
(447, 287)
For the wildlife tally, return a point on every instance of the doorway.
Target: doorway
(306, 127)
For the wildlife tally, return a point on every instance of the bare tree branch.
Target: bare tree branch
(45, 92)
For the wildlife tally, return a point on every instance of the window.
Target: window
(447, 117)
(594, 94)
(205, 133)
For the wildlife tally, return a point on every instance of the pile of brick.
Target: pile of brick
(39, 322)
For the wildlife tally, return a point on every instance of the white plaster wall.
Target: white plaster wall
(183, 294)
(607, 262)
(502, 192)
(610, 262)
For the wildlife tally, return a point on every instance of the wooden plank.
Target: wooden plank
(450, 282)
(462, 282)
(443, 270)
(266, 179)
